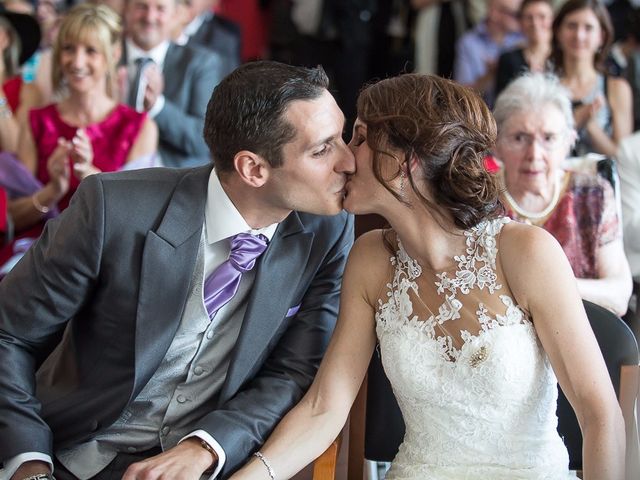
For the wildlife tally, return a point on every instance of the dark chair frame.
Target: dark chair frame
(620, 351)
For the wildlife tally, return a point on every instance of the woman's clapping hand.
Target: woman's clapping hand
(58, 167)
(82, 155)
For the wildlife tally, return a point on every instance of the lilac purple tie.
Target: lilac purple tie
(222, 284)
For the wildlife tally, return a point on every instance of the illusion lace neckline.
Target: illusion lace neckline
(476, 269)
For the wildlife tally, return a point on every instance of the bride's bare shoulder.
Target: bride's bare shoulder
(369, 266)
(521, 246)
(372, 250)
(376, 244)
(531, 257)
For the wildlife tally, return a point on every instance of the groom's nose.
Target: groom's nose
(346, 163)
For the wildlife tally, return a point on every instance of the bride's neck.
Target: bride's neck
(431, 241)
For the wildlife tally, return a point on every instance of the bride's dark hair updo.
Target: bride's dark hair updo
(450, 130)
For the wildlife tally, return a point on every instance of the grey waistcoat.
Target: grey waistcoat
(182, 389)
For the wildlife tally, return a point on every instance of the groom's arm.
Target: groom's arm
(242, 424)
(237, 428)
(38, 297)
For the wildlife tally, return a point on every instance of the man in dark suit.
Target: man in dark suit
(177, 80)
(117, 357)
(214, 32)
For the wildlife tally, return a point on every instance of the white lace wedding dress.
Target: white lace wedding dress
(475, 387)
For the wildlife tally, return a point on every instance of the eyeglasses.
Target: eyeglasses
(520, 142)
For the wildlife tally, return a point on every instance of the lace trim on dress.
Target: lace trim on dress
(475, 269)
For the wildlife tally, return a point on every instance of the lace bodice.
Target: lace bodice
(475, 387)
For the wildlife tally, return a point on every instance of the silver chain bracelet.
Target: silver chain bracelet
(266, 463)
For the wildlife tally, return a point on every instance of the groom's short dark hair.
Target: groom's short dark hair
(246, 110)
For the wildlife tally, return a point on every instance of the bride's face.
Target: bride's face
(364, 193)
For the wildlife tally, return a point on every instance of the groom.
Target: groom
(168, 319)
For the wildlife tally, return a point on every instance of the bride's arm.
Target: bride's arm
(542, 281)
(310, 427)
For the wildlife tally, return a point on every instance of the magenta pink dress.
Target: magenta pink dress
(111, 139)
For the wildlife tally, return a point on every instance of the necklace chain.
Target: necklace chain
(536, 215)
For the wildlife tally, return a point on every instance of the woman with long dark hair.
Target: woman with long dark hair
(602, 105)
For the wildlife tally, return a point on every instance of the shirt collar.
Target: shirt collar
(222, 219)
(157, 53)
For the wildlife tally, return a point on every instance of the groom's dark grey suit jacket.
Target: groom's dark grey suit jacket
(115, 269)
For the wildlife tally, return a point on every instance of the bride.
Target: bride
(476, 316)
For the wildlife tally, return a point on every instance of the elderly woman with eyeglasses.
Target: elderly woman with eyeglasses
(535, 134)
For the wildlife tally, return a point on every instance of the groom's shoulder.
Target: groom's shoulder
(152, 175)
(313, 221)
(150, 189)
(328, 227)
(135, 184)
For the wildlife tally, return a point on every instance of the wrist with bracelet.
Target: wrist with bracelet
(37, 205)
(39, 476)
(267, 465)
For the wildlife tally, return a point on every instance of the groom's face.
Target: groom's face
(316, 162)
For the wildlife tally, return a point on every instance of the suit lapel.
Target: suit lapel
(279, 271)
(173, 64)
(124, 56)
(168, 262)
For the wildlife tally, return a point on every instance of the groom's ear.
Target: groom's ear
(252, 168)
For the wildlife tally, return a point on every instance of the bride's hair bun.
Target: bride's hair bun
(448, 128)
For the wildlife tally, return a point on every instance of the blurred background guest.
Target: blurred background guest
(393, 44)
(115, 5)
(171, 82)
(630, 49)
(85, 133)
(342, 41)
(213, 31)
(181, 18)
(628, 161)
(535, 134)
(18, 6)
(49, 14)
(253, 18)
(536, 17)
(439, 25)
(38, 68)
(478, 50)
(602, 105)
(19, 38)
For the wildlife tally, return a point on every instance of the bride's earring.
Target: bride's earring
(403, 177)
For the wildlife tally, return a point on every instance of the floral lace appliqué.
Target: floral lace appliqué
(475, 269)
